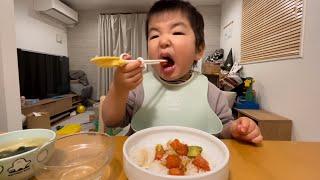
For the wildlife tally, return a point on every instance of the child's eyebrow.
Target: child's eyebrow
(153, 29)
(178, 24)
(171, 27)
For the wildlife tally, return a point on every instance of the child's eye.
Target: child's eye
(178, 33)
(153, 37)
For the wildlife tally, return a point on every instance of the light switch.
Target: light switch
(58, 38)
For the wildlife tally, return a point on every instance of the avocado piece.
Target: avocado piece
(159, 147)
(194, 151)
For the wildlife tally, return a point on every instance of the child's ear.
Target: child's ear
(200, 52)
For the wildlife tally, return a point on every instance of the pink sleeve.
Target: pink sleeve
(219, 104)
(134, 102)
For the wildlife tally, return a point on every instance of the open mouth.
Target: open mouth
(169, 62)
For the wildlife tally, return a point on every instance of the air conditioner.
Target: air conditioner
(57, 10)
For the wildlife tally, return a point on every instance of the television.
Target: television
(42, 75)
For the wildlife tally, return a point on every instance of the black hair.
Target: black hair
(194, 17)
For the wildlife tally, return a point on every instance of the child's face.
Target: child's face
(171, 37)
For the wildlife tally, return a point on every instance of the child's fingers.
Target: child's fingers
(138, 81)
(133, 73)
(135, 81)
(234, 129)
(135, 78)
(252, 126)
(243, 125)
(246, 129)
(257, 139)
(252, 135)
(130, 66)
(125, 56)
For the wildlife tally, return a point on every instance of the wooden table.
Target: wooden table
(272, 160)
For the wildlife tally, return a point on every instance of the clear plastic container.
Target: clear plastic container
(78, 156)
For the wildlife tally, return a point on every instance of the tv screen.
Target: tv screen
(42, 75)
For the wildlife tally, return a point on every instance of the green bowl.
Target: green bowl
(21, 166)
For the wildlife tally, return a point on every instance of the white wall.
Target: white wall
(22, 27)
(291, 87)
(83, 45)
(37, 32)
(231, 12)
(10, 111)
(211, 16)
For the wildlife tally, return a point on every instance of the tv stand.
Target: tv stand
(58, 107)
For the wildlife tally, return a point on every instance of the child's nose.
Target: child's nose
(164, 42)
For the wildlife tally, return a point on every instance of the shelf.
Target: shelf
(48, 100)
(58, 107)
(59, 117)
(76, 102)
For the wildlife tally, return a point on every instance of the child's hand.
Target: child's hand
(129, 76)
(246, 129)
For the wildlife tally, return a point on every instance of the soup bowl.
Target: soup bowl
(213, 150)
(20, 152)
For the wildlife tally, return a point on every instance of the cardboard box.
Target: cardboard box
(210, 68)
(38, 120)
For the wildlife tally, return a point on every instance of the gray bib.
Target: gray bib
(183, 104)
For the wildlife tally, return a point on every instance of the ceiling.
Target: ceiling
(124, 5)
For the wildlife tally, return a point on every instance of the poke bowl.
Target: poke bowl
(19, 152)
(175, 152)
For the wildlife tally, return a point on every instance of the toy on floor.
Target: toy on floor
(69, 129)
(113, 131)
(109, 131)
(81, 108)
(248, 101)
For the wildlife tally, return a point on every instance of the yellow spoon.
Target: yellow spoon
(115, 61)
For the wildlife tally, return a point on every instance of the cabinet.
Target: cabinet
(212, 71)
(214, 78)
(272, 126)
(57, 107)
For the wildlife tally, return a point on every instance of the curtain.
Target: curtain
(119, 33)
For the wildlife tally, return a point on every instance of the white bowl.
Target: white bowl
(21, 166)
(214, 150)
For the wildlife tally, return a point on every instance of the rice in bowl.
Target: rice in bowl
(139, 154)
(172, 158)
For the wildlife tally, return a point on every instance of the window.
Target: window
(271, 30)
